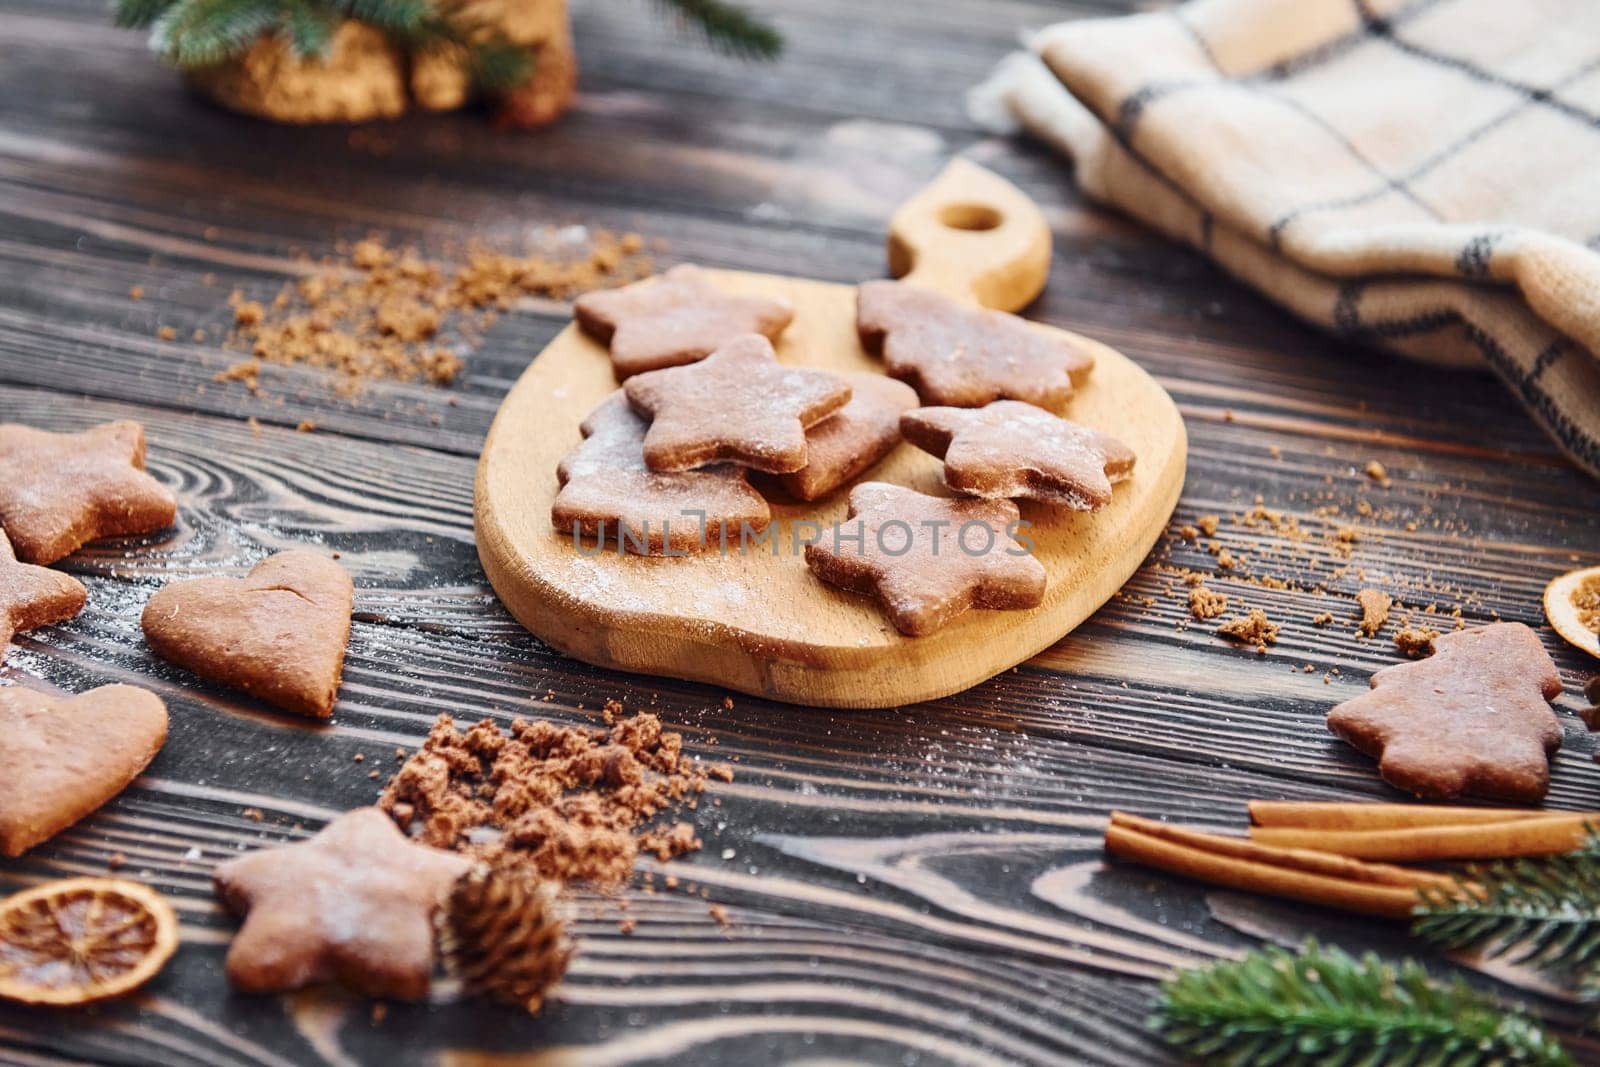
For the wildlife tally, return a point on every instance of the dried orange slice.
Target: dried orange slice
(1572, 604)
(79, 940)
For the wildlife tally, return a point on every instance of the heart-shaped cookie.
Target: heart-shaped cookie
(278, 634)
(63, 757)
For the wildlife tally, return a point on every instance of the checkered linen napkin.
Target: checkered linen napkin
(1423, 175)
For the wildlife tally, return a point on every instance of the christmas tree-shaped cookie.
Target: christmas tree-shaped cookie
(1472, 718)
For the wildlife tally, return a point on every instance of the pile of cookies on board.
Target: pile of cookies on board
(709, 425)
(278, 633)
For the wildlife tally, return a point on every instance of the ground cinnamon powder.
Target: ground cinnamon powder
(577, 803)
(379, 313)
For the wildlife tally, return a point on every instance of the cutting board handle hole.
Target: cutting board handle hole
(970, 217)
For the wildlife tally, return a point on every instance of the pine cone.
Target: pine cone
(503, 936)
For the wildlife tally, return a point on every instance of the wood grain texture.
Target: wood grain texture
(709, 616)
(919, 884)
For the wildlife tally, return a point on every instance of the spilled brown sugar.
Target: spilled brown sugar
(574, 803)
(378, 313)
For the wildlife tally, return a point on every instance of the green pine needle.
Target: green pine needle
(139, 14)
(199, 33)
(404, 19)
(310, 28)
(1544, 911)
(729, 28)
(1325, 1007)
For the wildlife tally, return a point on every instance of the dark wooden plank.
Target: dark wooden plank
(852, 834)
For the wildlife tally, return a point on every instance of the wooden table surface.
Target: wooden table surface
(922, 885)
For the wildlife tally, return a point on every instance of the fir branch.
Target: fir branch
(139, 14)
(729, 28)
(404, 19)
(1542, 911)
(309, 27)
(1323, 1006)
(199, 33)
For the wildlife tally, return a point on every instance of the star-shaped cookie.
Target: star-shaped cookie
(677, 318)
(354, 904)
(59, 491)
(607, 492)
(1472, 718)
(852, 439)
(33, 596)
(1011, 449)
(927, 559)
(738, 405)
(965, 356)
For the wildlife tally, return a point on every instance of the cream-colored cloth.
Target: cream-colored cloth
(1422, 175)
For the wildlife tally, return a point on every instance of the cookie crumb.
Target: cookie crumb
(247, 371)
(572, 802)
(1375, 605)
(383, 313)
(167, 333)
(305, 426)
(1253, 628)
(1322, 618)
(1415, 642)
(1208, 524)
(253, 814)
(136, 292)
(720, 914)
(1378, 473)
(1206, 604)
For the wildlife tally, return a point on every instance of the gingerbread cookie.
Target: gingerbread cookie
(1011, 449)
(1472, 718)
(63, 757)
(354, 904)
(965, 356)
(59, 491)
(927, 559)
(279, 633)
(607, 492)
(852, 439)
(739, 404)
(33, 596)
(678, 318)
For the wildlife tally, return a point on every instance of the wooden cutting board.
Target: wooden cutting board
(761, 623)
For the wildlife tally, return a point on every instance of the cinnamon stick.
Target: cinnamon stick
(1542, 836)
(1322, 863)
(1342, 815)
(1216, 868)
